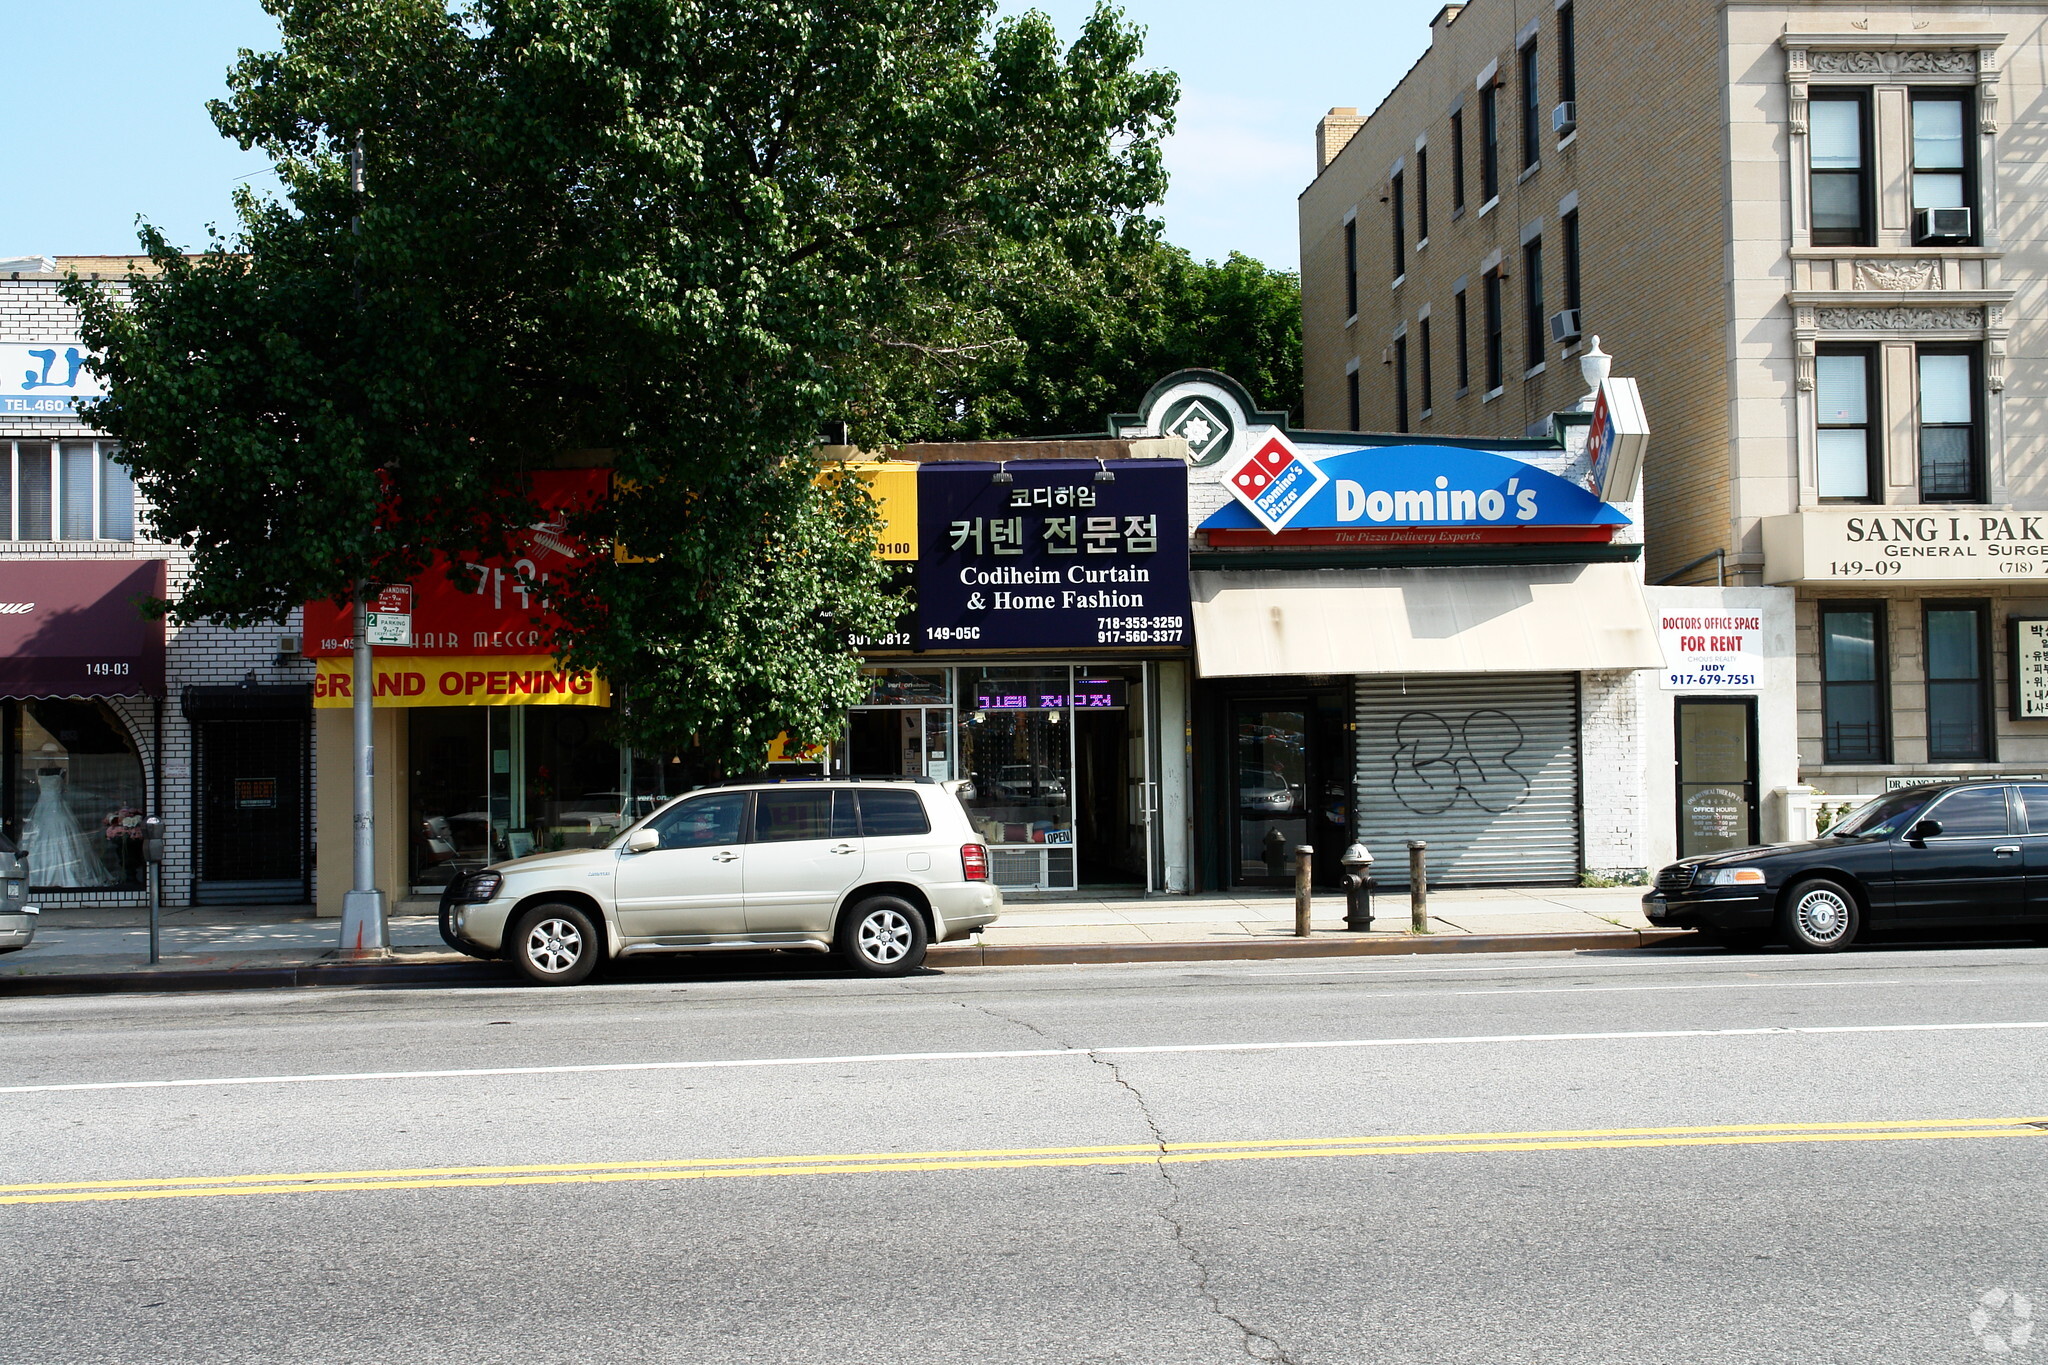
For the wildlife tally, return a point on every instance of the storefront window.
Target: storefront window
(904, 729)
(497, 782)
(78, 795)
(1018, 758)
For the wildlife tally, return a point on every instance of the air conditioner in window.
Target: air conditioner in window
(1941, 225)
(1565, 118)
(1564, 326)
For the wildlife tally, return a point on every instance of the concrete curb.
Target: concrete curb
(257, 978)
(401, 973)
(1227, 950)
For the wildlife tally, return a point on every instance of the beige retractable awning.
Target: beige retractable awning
(1539, 618)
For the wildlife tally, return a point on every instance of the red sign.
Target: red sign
(395, 600)
(491, 606)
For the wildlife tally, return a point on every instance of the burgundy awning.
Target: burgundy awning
(74, 628)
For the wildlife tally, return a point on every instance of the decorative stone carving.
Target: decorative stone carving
(1796, 71)
(1901, 319)
(1897, 274)
(1987, 88)
(1939, 62)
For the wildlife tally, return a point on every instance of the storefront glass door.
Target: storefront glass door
(1057, 762)
(1717, 778)
(1290, 787)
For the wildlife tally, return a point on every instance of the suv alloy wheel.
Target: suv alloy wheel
(555, 945)
(882, 936)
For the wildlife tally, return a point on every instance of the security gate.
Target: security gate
(1485, 767)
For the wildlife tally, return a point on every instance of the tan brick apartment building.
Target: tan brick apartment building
(1814, 233)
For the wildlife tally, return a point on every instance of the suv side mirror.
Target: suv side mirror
(1925, 829)
(643, 841)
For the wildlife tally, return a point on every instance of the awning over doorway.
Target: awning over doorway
(74, 628)
(1537, 618)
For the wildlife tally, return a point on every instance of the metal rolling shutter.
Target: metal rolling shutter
(1483, 766)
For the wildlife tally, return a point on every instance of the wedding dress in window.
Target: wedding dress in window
(59, 851)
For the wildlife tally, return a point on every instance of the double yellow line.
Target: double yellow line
(870, 1163)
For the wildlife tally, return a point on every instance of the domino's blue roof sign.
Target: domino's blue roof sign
(1280, 487)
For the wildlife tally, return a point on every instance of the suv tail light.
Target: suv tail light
(974, 862)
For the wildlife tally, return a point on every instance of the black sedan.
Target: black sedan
(1952, 854)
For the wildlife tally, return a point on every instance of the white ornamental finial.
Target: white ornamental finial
(1595, 365)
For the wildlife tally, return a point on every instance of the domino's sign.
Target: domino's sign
(1276, 482)
(1281, 489)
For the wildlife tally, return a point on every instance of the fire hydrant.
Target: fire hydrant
(1357, 862)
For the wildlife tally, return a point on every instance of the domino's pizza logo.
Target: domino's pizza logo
(1276, 482)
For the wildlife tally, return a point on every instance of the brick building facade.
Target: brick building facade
(224, 755)
(1808, 230)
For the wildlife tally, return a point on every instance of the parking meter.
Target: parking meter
(153, 856)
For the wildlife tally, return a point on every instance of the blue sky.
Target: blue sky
(107, 121)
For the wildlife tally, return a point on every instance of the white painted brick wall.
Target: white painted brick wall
(1611, 714)
(198, 655)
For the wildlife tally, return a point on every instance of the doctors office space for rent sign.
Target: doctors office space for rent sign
(1711, 650)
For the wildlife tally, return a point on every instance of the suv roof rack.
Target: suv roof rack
(778, 780)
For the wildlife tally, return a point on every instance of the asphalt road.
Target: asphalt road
(1689, 1157)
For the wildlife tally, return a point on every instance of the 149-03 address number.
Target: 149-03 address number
(106, 670)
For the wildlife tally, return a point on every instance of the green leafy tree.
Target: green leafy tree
(687, 232)
(1071, 337)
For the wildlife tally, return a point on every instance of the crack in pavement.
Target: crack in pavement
(1257, 1344)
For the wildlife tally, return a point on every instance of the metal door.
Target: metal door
(1483, 767)
(692, 886)
(252, 835)
(803, 854)
(1972, 871)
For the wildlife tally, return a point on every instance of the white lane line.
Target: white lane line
(1776, 965)
(1702, 986)
(590, 1068)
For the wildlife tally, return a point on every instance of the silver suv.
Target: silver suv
(871, 870)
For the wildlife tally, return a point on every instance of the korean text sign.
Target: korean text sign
(1056, 558)
(487, 608)
(2029, 668)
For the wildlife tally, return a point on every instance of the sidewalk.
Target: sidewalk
(218, 947)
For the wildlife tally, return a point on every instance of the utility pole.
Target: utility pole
(364, 931)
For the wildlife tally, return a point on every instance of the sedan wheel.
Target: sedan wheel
(555, 945)
(882, 936)
(1821, 917)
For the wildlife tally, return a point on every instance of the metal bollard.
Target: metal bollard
(1304, 869)
(1418, 886)
(1358, 889)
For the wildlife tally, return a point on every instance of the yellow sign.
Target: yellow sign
(463, 680)
(894, 485)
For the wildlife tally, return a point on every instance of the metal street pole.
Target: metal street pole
(364, 931)
(363, 928)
